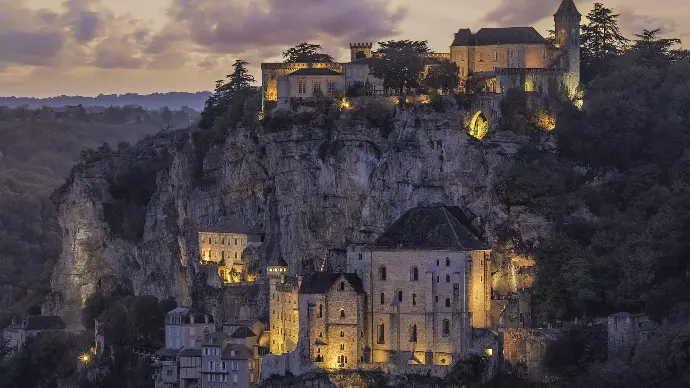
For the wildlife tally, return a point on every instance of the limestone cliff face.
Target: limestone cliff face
(311, 189)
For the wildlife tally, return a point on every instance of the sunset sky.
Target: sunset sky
(87, 47)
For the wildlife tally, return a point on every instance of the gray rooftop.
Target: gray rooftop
(498, 36)
(567, 8)
(321, 282)
(438, 227)
(243, 332)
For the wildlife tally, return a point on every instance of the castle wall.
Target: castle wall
(524, 351)
(546, 81)
(270, 72)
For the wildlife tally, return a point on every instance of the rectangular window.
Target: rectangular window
(414, 299)
(302, 86)
(235, 365)
(209, 377)
(223, 366)
(495, 56)
(213, 378)
(316, 86)
(331, 87)
(210, 366)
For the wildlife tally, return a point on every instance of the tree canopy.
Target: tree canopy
(601, 41)
(444, 76)
(400, 64)
(306, 52)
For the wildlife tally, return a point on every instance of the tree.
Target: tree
(444, 76)
(651, 50)
(601, 41)
(400, 64)
(306, 52)
(234, 91)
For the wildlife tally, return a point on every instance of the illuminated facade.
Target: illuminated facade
(225, 251)
(520, 58)
(412, 299)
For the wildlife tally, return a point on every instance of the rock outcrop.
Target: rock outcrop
(312, 188)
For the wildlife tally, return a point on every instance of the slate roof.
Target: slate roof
(44, 322)
(321, 282)
(243, 332)
(190, 352)
(567, 8)
(215, 338)
(185, 314)
(167, 353)
(496, 36)
(277, 261)
(241, 352)
(315, 71)
(438, 227)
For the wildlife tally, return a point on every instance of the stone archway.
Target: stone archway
(479, 126)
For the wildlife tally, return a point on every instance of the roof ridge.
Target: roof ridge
(446, 213)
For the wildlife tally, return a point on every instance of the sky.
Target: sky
(88, 47)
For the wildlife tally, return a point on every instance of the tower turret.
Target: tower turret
(360, 51)
(567, 26)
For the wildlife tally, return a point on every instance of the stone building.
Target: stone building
(17, 334)
(185, 328)
(283, 309)
(224, 363)
(308, 83)
(519, 57)
(224, 250)
(415, 298)
(625, 331)
(428, 281)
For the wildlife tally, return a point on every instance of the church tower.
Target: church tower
(567, 20)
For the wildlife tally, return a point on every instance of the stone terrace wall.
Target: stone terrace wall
(524, 351)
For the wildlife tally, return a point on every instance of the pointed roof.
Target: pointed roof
(321, 282)
(243, 332)
(435, 227)
(567, 8)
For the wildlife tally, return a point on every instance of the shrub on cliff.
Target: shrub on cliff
(279, 120)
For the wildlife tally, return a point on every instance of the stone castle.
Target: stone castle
(415, 300)
(504, 58)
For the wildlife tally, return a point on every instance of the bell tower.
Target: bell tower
(567, 22)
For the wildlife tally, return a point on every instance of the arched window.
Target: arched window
(222, 240)
(447, 302)
(413, 333)
(381, 336)
(342, 313)
(383, 298)
(342, 286)
(382, 273)
(447, 278)
(342, 333)
(446, 328)
(414, 274)
(447, 261)
(400, 298)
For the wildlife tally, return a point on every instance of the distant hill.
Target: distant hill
(173, 100)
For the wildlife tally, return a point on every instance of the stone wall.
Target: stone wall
(524, 351)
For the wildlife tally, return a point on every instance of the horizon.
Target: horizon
(87, 48)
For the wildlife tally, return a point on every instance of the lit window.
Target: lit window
(342, 346)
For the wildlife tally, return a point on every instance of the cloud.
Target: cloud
(520, 12)
(222, 26)
(633, 23)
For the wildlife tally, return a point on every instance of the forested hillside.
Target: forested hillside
(37, 152)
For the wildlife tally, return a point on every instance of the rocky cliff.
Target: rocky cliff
(130, 219)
